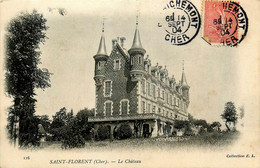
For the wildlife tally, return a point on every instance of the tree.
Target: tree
(72, 134)
(191, 118)
(24, 35)
(60, 119)
(201, 122)
(229, 114)
(86, 127)
(86, 112)
(179, 124)
(216, 124)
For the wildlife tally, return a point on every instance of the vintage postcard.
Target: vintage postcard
(129, 83)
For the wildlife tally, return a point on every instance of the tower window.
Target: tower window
(108, 108)
(139, 60)
(108, 88)
(117, 64)
(99, 65)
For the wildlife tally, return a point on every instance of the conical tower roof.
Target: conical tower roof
(137, 45)
(183, 77)
(137, 40)
(102, 46)
(183, 80)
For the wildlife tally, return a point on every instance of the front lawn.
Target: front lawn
(214, 140)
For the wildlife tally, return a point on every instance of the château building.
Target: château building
(129, 90)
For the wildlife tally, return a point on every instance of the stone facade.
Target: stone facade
(129, 90)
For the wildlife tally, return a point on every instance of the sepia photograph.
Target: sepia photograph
(129, 83)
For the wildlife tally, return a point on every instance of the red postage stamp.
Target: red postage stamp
(224, 23)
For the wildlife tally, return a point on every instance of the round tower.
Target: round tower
(100, 60)
(137, 57)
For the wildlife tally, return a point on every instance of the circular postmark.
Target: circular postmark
(181, 22)
(225, 23)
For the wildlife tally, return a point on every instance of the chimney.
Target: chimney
(122, 39)
(113, 43)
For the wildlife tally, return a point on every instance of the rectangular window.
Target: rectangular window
(171, 100)
(154, 109)
(143, 86)
(108, 88)
(108, 108)
(154, 91)
(148, 88)
(124, 106)
(174, 101)
(159, 92)
(148, 108)
(163, 94)
(143, 106)
(167, 100)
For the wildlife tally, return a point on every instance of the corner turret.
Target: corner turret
(137, 57)
(100, 60)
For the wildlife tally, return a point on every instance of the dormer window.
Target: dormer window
(117, 64)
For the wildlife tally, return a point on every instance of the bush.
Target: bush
(124, 132)
(103, 133)
(71, 135)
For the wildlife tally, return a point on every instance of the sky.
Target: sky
(216, 75)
